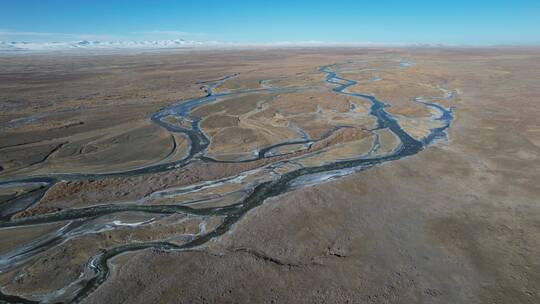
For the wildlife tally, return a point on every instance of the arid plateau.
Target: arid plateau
(267, 175)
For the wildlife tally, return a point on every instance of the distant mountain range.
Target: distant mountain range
(100, 45)
(22, 46)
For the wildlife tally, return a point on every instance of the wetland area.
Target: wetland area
(306, 175)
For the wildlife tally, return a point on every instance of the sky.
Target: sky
(457, 22)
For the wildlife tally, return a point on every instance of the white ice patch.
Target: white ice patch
(197, 187)
(117, 223)
(319, 178)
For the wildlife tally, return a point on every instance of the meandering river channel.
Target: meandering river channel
(199, 143)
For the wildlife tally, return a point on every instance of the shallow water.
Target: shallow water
(288, 181)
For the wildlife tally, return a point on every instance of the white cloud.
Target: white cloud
(18, 35)
(31, 36)
(169, 33)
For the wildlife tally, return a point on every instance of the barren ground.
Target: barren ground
(456, 222)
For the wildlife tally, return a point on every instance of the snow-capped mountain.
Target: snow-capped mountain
(97, 45)
(12, 47)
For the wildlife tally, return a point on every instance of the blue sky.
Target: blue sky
(414, 21)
